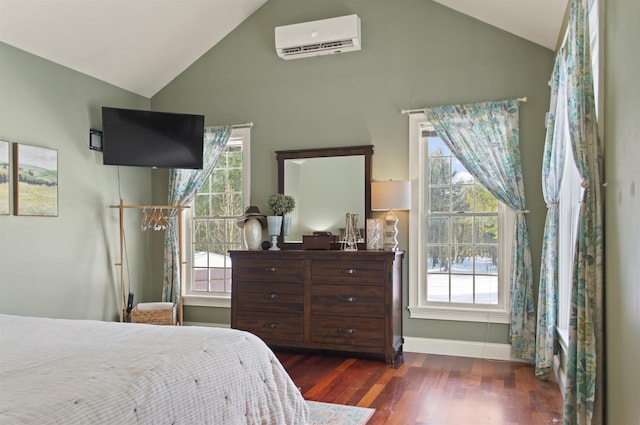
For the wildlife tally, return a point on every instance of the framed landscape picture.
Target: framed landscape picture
(5, 176)
(35, 180)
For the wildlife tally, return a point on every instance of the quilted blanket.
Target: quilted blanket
(58, 371)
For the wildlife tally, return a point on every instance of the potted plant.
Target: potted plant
(281, 205)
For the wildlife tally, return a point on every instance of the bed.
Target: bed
(59, 371)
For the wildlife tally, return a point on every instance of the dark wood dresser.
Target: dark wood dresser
(322, 300)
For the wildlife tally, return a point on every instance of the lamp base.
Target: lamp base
(390, 242)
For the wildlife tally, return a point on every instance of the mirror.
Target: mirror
(326, 183)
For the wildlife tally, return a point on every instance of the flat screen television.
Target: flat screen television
(152, 139)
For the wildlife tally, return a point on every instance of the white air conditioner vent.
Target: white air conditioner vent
(316, 38)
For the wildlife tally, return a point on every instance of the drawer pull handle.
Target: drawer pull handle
(270, 325)
(272, 296)
(270, 269)
(348, 271)
(347, 299)
(348, 331)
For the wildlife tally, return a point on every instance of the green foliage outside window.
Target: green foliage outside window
(462, 222)
(217, 205)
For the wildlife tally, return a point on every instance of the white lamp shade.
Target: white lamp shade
(390, 195)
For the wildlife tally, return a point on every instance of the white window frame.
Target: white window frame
(214, 299)
(419, 307)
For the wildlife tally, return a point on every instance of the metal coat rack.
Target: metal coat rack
(121, 207)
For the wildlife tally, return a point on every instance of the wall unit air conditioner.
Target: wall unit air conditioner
(318, 38)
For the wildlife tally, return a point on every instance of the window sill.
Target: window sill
(460, 314)
(563, 338)
(207, 301)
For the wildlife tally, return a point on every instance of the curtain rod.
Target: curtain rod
(245, 125)
(414, 111)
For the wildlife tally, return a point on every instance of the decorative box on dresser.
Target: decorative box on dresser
(322, 300)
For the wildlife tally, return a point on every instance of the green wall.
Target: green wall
(622, 205)
(64, 266)
(415, 53)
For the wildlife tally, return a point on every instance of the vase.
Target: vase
(252, 234)
(375, 232)
(286, 225)
(274, 224)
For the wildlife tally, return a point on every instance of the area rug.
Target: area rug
(337, 414)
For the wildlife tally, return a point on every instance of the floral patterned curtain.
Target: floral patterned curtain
(183, 185)
(485, 138)
(584, 386)
(552, 168)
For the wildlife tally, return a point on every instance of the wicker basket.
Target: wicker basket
(163, 316)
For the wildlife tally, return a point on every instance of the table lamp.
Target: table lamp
(389, 196)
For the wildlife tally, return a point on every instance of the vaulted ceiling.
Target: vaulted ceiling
(142, 45)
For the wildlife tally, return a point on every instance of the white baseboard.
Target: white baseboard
(450, 347)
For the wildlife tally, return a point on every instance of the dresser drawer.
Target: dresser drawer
(271, 296)
(353, 331)
(270, 270)
(271, 325)
(350, 300)
(364, 272)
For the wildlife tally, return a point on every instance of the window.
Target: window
(460, 252)
(212, 225)
(571, 190)
(569, 209)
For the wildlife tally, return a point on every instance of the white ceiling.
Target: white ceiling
(142, 45)
(539, 21)
(138, 45)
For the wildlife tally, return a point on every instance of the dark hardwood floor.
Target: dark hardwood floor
(429, 389)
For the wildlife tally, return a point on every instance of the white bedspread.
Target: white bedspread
(56, 371)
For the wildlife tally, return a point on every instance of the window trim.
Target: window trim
(418, 307)
(222, 300)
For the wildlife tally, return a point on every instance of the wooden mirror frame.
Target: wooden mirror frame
(364, 150)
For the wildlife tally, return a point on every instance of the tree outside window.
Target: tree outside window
(216, 207)
(462, 232)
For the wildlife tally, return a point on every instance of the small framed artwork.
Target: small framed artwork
(5, 178)
(35, 180)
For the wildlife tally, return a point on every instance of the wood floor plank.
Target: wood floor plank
(330, 383)
(429, 389)
(373, 392)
